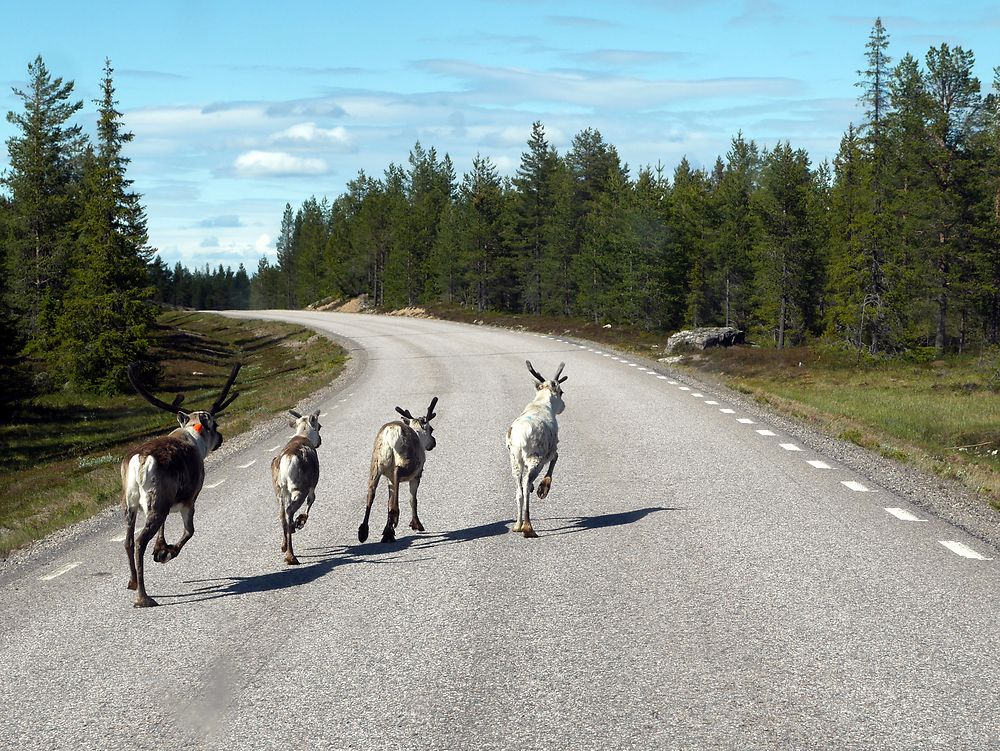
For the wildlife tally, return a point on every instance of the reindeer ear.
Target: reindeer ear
(292, 423)
(183, 418)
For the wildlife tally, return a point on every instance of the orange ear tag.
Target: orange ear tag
(197, 427)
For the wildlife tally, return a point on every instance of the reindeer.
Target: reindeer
(295, 472)
(399, 455)
(165, 474)
(532, 440)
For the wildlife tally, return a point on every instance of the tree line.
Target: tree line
(892, 246)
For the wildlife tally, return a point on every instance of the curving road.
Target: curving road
(698, 583)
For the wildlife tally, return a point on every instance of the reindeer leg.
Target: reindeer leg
(130, 514)
(289, 527)
(187, 517)
(526, 527)
(154, 523)
(161, 552)
(389, 533)
(414, 519)
(372, 486)
(301, 519)
(546, 483)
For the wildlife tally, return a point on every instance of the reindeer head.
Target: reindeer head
(201, 424)
(422, 425)
(553, 385)
(306, 426)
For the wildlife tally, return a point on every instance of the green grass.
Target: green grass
(61, 451)
(943, 416)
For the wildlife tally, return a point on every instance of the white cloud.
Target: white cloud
(263, 245)
(277, 164)
(311, 133)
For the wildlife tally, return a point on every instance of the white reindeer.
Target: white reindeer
(165, 474)
(532, 440)
(399, 455)
(295, 472)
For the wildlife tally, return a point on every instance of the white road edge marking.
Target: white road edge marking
(903, 514)
(745, 420)
(766, 432)
(963, 550)
(684, 388)
(60, 571)
(714, 404)
(855, 486)
(672, 383)
(215, 484)
(727, 411)
(818, 464)
(695, 393)
(789, 447)
(275, 448)
(120, 538)
(662, 378)
(248, 464)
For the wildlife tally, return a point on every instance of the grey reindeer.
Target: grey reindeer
(295, 472)
(398, 455)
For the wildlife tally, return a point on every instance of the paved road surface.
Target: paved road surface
(697, 583)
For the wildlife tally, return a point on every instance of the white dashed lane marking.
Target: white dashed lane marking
(855, 486)
(275, 448)
(727, 411)
(903, 514)
(714, 404)
(60, 571)
(248, 464)
(119, 538)
(215, 484)
(963, 550)
(818, 464)
(695, 393)
(672, 383)
(766, 432)
(789, 447)
(685, 388)
(745, 420)
(662, 378)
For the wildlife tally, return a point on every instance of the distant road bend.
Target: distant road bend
(700, 581)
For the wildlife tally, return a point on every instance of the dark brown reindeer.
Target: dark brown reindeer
(166, 474)
(399, 455)
(295, 472)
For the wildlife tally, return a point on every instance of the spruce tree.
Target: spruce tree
(43, 181)
(104, 318)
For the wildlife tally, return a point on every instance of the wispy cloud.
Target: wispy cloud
(310, 133)
(624, 58)
(277, 164)
(149, 75)
(756, 12)
(225, 220)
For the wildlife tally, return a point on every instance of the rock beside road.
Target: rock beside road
(705, 337)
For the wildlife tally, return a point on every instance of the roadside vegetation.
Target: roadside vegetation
(60, 450)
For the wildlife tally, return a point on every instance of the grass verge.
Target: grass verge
(61, 451)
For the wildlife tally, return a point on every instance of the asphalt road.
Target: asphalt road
(696, 584)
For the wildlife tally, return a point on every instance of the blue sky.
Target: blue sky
(240, 107)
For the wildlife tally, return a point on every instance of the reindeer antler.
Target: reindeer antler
(221, 402)
(533, 371)
(133, 377)
(405, 413)
(430, 409)
(556, 377)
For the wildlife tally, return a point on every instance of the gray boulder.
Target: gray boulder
(702, 338)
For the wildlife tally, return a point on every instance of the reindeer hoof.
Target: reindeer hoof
(291, 560)
(300, 521)
(529, 531)
(543, 487)
(416, 525)
(144, 601)
(362, 533)
(160, 555)
(388, 535)
(517, 527)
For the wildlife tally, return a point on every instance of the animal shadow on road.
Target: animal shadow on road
(601, 521)
(275, 580)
